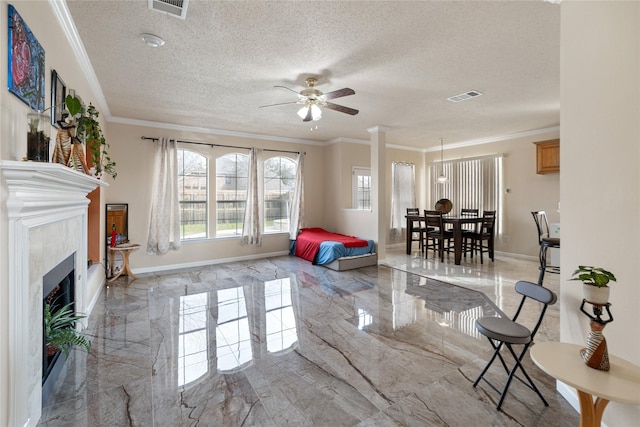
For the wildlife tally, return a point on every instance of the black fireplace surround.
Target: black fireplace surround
(57, 290)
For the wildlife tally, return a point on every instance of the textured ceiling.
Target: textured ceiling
(403, 59)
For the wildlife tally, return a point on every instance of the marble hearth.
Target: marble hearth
(47, 221)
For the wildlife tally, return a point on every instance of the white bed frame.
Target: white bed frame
(352, 262)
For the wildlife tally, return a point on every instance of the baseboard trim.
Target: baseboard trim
(507, 254)
(170, 267)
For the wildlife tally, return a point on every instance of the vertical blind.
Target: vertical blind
(474, 183)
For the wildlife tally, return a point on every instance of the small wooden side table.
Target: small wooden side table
(563, 362)
(125, 250)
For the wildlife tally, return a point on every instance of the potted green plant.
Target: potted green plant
(88, 131)
(59, 329)
(594, 283)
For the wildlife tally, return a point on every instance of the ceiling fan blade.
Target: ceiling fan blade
(282, 103)
(339, 93)
(288, 88)
(308, 117)
(341, 108)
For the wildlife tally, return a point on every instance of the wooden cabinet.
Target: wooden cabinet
(548, 156)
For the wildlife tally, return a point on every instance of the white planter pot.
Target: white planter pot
(596, 295)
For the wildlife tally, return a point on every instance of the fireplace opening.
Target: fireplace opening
(58, 290)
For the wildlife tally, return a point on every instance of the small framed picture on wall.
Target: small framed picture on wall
(58, 95)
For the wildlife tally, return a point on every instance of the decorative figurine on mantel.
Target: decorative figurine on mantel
(596, 293)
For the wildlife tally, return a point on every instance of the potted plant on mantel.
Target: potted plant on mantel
(88, 131)
(594, 283)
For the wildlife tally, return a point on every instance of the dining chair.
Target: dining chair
(545, 242)
(504, 332)
(482, 237)
(467, 212)
(437, 233)
(419, 228)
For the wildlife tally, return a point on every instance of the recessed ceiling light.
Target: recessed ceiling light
(151, 40)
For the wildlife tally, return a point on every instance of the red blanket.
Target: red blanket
(309, 239)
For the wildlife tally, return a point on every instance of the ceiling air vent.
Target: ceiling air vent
(464, 96)
(170, 7)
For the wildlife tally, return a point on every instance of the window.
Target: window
(192, 187)
(232, 171)
(361, 188)
(279, 184)
(473, 183)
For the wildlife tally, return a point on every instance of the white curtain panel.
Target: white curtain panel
(296, 212)
(164, 226)
(403, 196)
(252, 227)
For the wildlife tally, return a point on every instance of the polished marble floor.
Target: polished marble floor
(279, 341)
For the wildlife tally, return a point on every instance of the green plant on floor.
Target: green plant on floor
(59, 329)
(593, 276)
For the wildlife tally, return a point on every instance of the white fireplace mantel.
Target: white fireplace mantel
(47, 209)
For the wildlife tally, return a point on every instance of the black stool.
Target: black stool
(545, 242)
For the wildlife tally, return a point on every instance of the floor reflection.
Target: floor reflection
(447, 305)
(193, 355)
(280, 318)
(233, 338)
(279, 341)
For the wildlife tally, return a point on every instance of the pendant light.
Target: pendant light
(442, 178)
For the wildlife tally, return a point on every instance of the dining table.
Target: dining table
(456, 221)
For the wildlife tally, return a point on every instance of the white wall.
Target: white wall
(600, 182)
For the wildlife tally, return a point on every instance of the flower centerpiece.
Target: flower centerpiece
(89, 132)
(594, 283)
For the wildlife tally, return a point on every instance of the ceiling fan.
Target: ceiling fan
(312, 100)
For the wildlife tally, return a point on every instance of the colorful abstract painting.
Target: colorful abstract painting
(26, 63)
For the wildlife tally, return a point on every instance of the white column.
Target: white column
(379, 185)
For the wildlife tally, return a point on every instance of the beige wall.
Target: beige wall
(341, 158)
(528, 191)
(600, 182)
(134, 183)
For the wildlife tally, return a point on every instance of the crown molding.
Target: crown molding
(62, 14)
(210, 131)
(491, 139)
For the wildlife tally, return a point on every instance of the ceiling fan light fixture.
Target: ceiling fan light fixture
(151, 40)
(316, 112)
